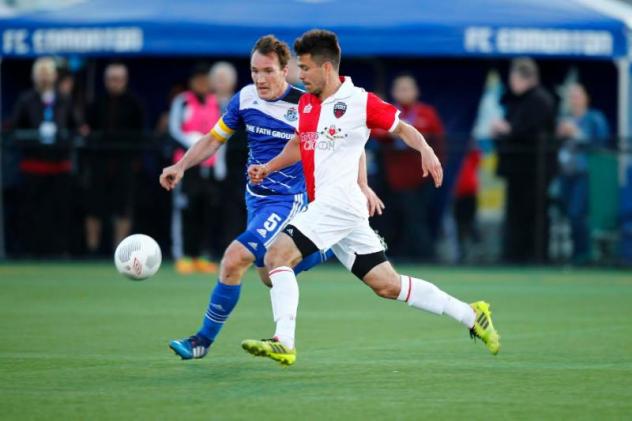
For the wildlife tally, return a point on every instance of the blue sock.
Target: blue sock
(223, 299)
(313, 260)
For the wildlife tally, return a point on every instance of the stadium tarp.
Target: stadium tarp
(556, 28)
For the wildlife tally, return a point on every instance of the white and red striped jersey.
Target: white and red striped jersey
(332, 136)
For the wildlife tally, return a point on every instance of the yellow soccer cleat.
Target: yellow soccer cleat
(270, 348)
(484, 328)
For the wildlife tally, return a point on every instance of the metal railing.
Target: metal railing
(471, 227)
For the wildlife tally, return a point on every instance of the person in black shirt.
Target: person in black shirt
(114, 121)
(524, 140)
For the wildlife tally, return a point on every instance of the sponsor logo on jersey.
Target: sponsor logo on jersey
(333, 133)
(291, 114)
(307, 109)
(253, 245)
(269, 132)
(310, 142)
(340, 108)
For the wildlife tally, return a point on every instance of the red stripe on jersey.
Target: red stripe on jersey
(379, 114)
(309, 114)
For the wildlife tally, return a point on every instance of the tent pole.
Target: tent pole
(623, 132)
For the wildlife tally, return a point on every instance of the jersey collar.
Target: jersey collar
(344, 91)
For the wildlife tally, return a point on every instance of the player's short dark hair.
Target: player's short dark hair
(269, 44)
(526, 68)
(321, 44)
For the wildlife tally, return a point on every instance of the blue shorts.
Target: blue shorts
(267, 215)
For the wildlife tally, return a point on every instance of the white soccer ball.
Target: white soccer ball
(138, 257)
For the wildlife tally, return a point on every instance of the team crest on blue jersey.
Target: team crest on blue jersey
(340, 108)
(291, 114)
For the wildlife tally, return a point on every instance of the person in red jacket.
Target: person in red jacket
(410, 193)
(465, 202)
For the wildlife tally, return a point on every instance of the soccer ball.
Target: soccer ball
(138, 257)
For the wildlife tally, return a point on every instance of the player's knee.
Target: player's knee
(277, 255)
(234, 262)
(274, 258)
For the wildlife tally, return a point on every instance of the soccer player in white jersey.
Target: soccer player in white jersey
(335, 119)
(267, 110)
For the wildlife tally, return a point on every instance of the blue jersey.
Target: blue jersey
(269, 126)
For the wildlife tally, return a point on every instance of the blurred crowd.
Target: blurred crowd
(85, 174)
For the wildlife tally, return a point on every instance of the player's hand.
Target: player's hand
(170, 177)
(374, 202)
(256, 173)
(431, 164)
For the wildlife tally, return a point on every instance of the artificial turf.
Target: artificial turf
(81, 342)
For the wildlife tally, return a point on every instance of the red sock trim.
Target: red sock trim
(410, 288)
(272, 272)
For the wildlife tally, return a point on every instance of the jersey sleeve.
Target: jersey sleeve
(380, 114)
(228, 122)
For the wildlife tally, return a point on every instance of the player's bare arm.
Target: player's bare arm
(374, 202)
(429, 161)
(290, 155)
(200, 151)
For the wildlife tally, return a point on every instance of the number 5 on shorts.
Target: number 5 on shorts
(270, 224)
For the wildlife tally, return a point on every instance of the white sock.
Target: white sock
(284, 297)
(426, 296)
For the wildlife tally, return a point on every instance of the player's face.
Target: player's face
(311, 74)
(267, 75)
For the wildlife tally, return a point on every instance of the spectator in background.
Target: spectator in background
(45, 165)
(410, 193)
(293, 74)
(66, 86)
(465, 202)
(195, 200)
(523, 140)
(584, 128)
(115, 121)
(234, 155)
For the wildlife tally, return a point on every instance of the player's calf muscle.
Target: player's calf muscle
(384, 281)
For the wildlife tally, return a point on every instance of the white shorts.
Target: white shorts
(344, 232)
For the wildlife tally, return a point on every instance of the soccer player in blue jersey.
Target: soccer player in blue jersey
(267, 110)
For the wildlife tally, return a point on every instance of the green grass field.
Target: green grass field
(80, 342)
